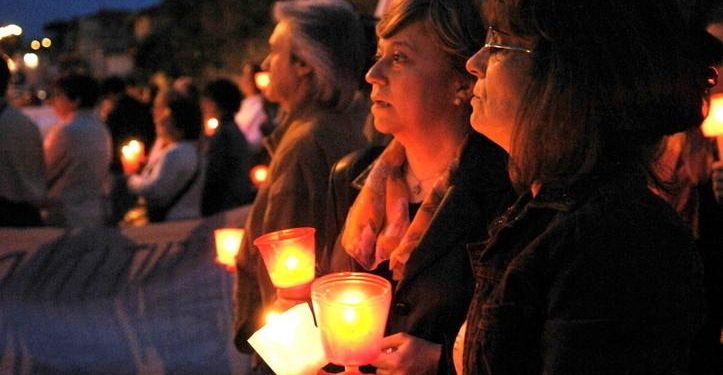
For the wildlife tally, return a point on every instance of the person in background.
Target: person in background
(314, 62)
(251, 116)
(77, 155)
(172, 180)
(22, 167)
(709, 234)
(410, 212)
(127, 119)
(227, 183)
(589, 272)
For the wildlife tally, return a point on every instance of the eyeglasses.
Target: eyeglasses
(491, 46)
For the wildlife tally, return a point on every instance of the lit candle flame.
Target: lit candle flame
(292, 262)
(211, 126)
(713, 124)
(259, 174)
(262, 80)
(228, 242)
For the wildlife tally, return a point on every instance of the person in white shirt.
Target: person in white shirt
(252, 115)
(172, 180)
(77, 155)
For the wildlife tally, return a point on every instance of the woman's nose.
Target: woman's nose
(375, 75)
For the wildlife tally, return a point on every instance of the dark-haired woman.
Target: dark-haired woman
(589, 272)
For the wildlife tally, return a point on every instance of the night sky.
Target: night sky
(31, 15)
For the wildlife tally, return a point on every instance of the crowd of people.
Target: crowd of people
(543, 200)
(75, 177)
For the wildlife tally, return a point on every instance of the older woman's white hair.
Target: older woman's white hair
(328, 36)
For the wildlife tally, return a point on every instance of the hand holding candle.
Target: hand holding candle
(132, 156)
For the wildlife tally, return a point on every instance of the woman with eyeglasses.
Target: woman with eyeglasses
(589, 272)
(409, 210)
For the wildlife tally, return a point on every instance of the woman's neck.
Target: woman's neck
(429, 155)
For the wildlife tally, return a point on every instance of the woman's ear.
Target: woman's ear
(301, 67)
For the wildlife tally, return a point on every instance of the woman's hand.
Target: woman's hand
(717, 178)
(406, 354)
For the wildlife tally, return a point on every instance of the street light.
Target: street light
(46, 42)
(10, 30)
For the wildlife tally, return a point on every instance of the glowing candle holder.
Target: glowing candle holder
(289, 258)
(228, 243)
(351, 311)
(132, 154)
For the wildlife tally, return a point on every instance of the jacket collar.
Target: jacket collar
(482, 169)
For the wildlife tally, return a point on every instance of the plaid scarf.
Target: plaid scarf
(378, 225)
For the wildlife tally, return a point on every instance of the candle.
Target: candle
(351, 310)
(262, 80)
(132, 154)
(713, 124)
(211, 126)
(289, 258)
(259, 174)
(290, 343)
(228, 242)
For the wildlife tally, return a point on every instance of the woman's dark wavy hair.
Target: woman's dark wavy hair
(608, 80)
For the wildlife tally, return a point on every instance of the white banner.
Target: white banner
(145, 300)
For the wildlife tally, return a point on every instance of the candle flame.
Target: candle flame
(349, 315)
(228, 242)
(133, 149)
(135, 146)
(211, 126)
(262, 80)
(292, 262)
(259, 174)
(127, 152)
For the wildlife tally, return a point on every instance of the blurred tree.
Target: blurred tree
(204, 38)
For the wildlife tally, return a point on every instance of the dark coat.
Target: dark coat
(431, 301)
(600, 278)
(303, 149)
(227, 183)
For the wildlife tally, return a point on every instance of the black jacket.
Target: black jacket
(598, 278)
